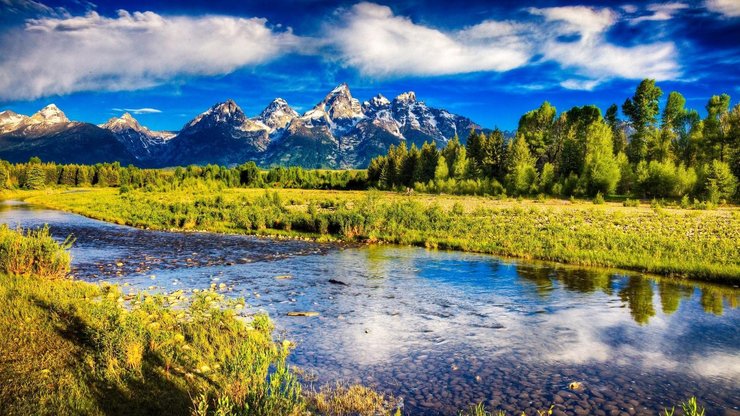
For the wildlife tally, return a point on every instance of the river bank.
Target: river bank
(698, 244)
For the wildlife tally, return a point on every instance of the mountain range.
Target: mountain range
(338, 132)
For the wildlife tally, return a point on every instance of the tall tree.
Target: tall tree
(521, 167)
(715, 125)
(601, 168)
(619, 138)
(456, 157)
(535, 127)
(642, 111)
(429, 156)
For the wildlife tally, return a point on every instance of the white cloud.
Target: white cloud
(372, 39)
(729, 8)
(660, 12)
(593, 56)
(130, 51)
(379, 43)
(145, 110)
(583, 20)
(577, 84)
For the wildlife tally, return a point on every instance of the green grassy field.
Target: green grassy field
(699, 244)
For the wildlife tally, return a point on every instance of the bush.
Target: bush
(598, 199)
(720, 183)
(33, 252)
(631, 203)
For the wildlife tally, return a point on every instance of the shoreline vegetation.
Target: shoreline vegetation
(93, 349)
(661, 240)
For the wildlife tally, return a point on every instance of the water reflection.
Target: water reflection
(445, 329)
(637, 292)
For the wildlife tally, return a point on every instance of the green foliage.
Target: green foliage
(33, 252)
(670, 241)
(598, 199)
(642, 111)
(720, 183)
(601, 167)
(35, 177)
(631, 203)
(690, 408)
(535, 126)
(522, 175)
(441, 172)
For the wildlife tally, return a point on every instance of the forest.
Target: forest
(668, 153)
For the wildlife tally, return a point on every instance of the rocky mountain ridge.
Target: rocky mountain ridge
(338, 132)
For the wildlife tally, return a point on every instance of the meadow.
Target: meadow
(645, 237)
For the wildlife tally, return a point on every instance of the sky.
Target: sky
(166, 62)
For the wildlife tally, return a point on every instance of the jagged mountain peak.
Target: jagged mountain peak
(338, 105)
(406, 97)
(227, 107)
(126, 121)
(277, 115)
(225, 112)
(10, 120)
(51, 114)
(377, 102)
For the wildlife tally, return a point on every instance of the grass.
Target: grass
(699, 244)
(69, 347)
(33, 252)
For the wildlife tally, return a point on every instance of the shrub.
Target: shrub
(598, 199)
(33, 252)
(631, 202)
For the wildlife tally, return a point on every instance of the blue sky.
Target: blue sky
(490, 62)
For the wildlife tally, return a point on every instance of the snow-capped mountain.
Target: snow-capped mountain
(338, 132)
(277, 115)
(10, 120)
(141, 142)
(223, 134)
(49, 134)
(49, 119)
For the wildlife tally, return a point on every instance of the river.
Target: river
(444, 330)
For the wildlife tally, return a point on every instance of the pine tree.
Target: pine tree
(521, 167)
(35, 176)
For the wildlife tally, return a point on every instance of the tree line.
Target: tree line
(580, 152)
(36, 174)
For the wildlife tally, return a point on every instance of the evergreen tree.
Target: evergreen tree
(521, 167)
(496, 152)
(35, 176)
(4, 176)
(619, 137)
(716, 126)
(410, 167)
(642, 111)
(428, 162)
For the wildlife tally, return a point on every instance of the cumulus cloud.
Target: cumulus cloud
(371, 38)
(59, 55)
(379, 43)
(729, 8)
(145, 110)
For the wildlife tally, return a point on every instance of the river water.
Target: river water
(444, 330)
